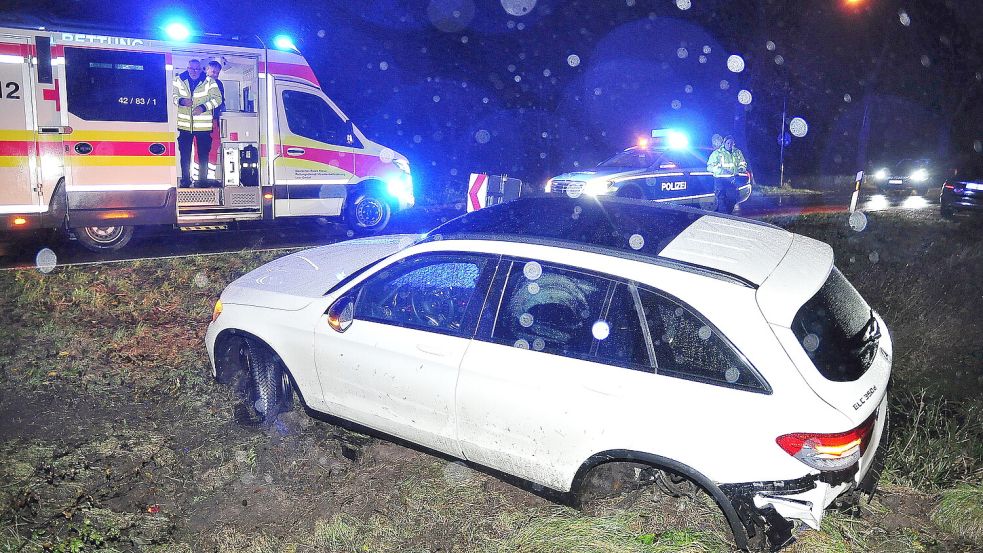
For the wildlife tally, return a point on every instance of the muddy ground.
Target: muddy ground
(114, 437)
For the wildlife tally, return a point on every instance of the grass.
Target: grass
(961, 512)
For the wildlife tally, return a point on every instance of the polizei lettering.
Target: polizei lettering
(671, 186)
(864, 398)
(100, 39)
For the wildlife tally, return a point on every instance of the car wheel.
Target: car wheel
(269, 390)
(631, 192)
(367, 212)
(946, 212)
(104, 239)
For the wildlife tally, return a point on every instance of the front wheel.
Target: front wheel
(104, 239)
(269, 388)
(367, 212)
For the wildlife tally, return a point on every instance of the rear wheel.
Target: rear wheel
(104, 239)
(946, 212)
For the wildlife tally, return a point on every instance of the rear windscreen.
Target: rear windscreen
(838, 330)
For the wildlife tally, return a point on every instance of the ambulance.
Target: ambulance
(88, 140)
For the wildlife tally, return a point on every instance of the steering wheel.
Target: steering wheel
(434, 307)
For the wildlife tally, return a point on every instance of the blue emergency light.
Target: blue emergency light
(673, 139)
(284, 42)
(178, 31)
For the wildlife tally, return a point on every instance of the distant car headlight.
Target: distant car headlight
(597, 187)
(549, 186)
(919, 175)
(403, 165)
(881, 174)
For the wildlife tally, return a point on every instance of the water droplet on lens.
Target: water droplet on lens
(704, 332)
(601, 330)
(810, 342)
(532, 270)
(46, 260)
(858, 221)
(636, 241)
(521, 344)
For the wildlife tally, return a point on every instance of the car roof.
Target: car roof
(725, 247)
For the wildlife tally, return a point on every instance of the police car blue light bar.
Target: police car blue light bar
(673, 139)
(176, 30)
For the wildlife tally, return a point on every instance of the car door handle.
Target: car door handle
(295, 151)
(432, 350)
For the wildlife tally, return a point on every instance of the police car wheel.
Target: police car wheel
(368, 213)
(103, 239)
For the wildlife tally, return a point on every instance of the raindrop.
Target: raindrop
(682, 53)
(545, 134)
(454, 172)
(679, 311)
(629, 3)
(573, 60)
(636, 241)
(597, 92)
(577, 209)
(925, 61)
(511, 68)
(201, 280)
(735, 63)
(464, 40)
(874, 257)
(779, 60)
(770, 46)
(724, 85)
(521, 344)
(601, 330)
(350, 233)
(703, 59)
(417, 138)
(904, 18)
(482, 136)
(744, 97)
(858, 221)
(520, 26)
(688, 89)
(484, 100)
(436, 98)
(706, 49)
(542, 155)
(704, 333)
(321, 33)
(546, 72)
(532, 270)
(387, 155)
(538, 344)
(810, 342)
(533, 288)
(798, 127)
(683, 4)
(732, 374)
(383, 65)
(46, 261)
(847, 98)
(676, 104)
(526, 320)
(978, 146)
(517, 78)
(575, 191)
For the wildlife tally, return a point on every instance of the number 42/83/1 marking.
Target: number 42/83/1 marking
(8, 91)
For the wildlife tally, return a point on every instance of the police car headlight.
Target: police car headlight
(919, 175)
(403, 165)
(597, 187)
(881, 174)
(548, 187)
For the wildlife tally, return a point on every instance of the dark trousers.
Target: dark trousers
(184, 140)
(725, 189)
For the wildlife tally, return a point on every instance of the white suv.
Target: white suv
(547, 337)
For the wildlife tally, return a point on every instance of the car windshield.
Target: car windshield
(631, 159)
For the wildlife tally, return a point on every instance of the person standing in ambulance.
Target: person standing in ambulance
(214, 68)
(195, 95)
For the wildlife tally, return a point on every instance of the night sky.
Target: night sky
(535, 88)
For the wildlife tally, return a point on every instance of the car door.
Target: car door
(530, 385)
(395, 368)
(315, 158)
(18, 153)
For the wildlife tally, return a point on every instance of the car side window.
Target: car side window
(434, 293)
(311, 117)
(627, 343)
(550, 309)
(687, 347)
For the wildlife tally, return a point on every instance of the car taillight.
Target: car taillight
(829, 451)
(948, 185)
(217, 310)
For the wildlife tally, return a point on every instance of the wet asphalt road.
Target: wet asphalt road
(155, 242)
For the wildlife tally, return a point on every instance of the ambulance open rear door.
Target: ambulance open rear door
(20, 200)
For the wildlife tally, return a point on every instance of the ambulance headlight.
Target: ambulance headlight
(400, 187)
(597, 187)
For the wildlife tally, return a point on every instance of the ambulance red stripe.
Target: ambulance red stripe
(15, 147)
(110, 148)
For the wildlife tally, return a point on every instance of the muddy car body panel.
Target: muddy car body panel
(544, 336)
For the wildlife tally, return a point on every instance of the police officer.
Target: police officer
(195, 95)
(725, 163)
(213, 70)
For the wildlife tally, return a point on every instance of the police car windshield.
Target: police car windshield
(631, 159)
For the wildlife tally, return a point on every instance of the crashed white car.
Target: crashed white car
(549, 337)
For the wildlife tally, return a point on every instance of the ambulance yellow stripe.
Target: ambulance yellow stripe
(11, 161)
(16, 135)
(121, 136)
(120, 161)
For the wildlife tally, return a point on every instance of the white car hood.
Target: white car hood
(293, 281)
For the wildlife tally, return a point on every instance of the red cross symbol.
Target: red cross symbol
(52, 95)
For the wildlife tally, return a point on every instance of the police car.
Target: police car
(650, 172)
(549, 337)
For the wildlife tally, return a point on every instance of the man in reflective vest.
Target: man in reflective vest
(725, 163)
(195, 95)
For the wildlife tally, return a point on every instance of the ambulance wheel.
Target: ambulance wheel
(104, 239)
(368, 212)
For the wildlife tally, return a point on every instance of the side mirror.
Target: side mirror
(341, 313)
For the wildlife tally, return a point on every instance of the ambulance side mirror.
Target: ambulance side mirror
(350, 138)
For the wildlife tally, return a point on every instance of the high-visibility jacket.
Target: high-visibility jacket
(724, 163)
(206, 94)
